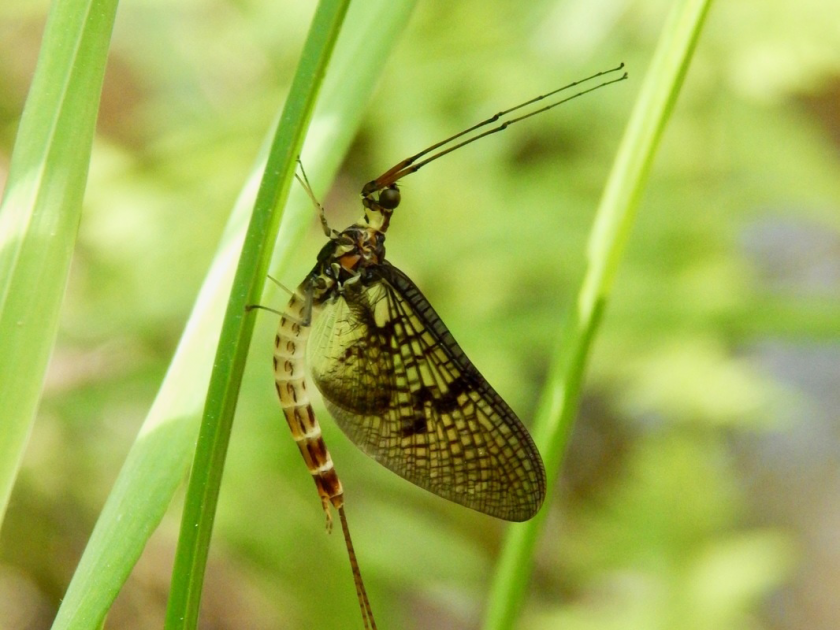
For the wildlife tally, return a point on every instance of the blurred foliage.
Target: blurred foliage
(700, 489)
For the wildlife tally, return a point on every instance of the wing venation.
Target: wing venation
(402, 389)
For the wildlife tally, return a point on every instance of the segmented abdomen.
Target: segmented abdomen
(290, 380)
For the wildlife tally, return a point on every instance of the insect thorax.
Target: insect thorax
(344, 263)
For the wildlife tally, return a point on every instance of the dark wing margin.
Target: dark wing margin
(402, 389)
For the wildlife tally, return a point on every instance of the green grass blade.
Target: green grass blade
(41, 209)
(238, 325)
(156, 464)
(613, 222)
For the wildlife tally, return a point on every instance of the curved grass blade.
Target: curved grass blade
(610, 232)
(41, 209)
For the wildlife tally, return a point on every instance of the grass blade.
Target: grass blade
(41, 209)
(238, 325)
(156, 464)
(613, 222)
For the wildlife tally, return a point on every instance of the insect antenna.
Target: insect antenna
(410, 164)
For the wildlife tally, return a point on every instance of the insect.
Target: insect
(391, 373)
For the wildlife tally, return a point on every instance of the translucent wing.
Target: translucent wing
(401, 388)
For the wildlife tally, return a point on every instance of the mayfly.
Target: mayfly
(392, 375)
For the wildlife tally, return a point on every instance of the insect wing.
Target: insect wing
(401, 388)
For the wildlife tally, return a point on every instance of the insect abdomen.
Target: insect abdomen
(290, 381)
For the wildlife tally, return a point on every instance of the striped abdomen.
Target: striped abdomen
(290, 380)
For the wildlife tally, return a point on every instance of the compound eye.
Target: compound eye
(389, 198)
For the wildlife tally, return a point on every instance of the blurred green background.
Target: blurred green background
(701, 486)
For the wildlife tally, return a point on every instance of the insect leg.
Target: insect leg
(304, 181)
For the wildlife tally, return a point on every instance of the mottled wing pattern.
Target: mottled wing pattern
(401, 388)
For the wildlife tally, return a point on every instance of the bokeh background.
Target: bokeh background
(701, 486)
